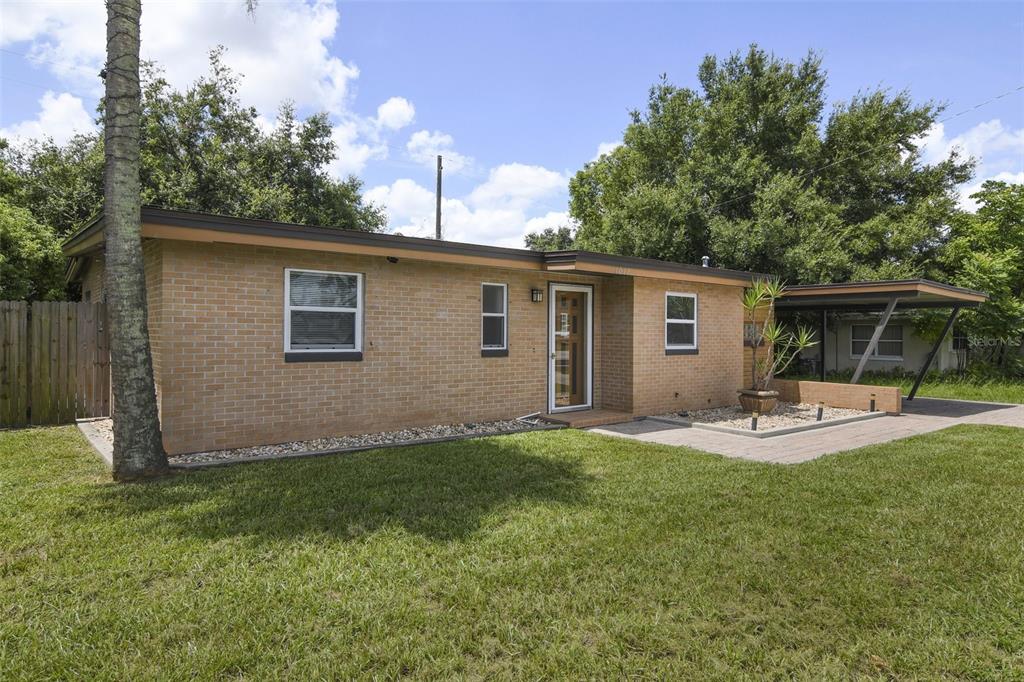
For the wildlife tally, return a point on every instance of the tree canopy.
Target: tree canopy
(986, 252)
(30, 257)
(550, 239)
(202, 150)
(747, 170)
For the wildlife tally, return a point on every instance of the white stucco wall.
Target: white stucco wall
(915, 349)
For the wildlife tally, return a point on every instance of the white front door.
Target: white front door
(570, 347)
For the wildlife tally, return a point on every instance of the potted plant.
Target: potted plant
(773, 347)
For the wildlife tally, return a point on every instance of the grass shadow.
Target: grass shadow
(941, 407)
(441, 492)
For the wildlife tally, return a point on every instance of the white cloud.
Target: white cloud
(511, 202)
(517, 185)
(606, 148)
(60, 117)
(282, 52)
(988, 142)
(969, 204)
(998, 150)
(354, 149)
(282, 49)
(424, 146)
(65, 37)
(405, 201)
(553, 219)
(396, 113)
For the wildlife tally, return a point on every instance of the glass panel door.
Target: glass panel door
(570, 328)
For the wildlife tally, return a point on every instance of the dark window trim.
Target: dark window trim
(504, 318)
(494, 352)
(679, 320)
(326, 356)
(682, 351)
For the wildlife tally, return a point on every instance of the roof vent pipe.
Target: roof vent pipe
(705, 261)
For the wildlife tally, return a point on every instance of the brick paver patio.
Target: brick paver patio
(921, 415)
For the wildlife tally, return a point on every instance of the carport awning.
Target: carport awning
(885, 296)
(909, 293)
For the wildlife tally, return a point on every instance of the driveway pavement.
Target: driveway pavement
(921, 415)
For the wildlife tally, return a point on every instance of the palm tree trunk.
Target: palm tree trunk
(138, 446)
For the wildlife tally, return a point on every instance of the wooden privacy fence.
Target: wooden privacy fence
(54, 362)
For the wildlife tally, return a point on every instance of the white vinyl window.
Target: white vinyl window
(323, 311)
(890, 345)
(680, 321)
(494, 316)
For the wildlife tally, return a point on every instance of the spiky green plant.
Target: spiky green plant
(781, 345)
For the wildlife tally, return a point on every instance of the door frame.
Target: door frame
(587, 289)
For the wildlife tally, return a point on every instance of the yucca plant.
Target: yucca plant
(780, 345)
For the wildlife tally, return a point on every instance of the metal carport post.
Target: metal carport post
(935, 349)
(885, 297)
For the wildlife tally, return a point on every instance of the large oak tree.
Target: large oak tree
(748, 170)
(202, 149)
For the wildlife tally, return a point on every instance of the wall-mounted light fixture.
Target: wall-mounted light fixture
(536, 295)
(392, 259)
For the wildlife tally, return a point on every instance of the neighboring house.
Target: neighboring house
(899, 348)
(264, 332)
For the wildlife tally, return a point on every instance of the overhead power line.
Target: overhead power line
(50, 88)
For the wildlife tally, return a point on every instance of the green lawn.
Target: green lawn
(990, 390)
(936, 385)
(555, 554)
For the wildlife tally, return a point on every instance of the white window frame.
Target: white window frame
(504, 315)
(875, 355)
(288, 308)
(668, 321)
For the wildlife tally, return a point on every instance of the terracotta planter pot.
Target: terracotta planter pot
(761, 402)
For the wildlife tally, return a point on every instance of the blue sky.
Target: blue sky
(516, 96)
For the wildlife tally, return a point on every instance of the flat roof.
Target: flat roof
(160, 223)
(875, 295)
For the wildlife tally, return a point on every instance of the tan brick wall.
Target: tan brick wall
(617, 343)
(225, 382)
(854, 396)
(684, 382)
(152, 251)
(216, 326)
(92, 280)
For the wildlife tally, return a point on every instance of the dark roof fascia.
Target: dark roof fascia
(835, 305)
(268, 228)
(574, 257)
(885, 282)
(88, 228)
(73, 267)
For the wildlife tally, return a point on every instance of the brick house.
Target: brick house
(265, 332)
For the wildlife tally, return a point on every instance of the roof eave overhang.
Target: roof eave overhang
(198, 227)
(910, 294)
(588, 262)
(185, 226)
(86, 239)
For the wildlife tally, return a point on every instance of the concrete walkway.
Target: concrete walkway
(922, 415)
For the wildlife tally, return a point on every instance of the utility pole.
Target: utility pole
(437, 226)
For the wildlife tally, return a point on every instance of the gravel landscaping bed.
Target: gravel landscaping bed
(783, 416)
(361, 441)
(104, 428)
